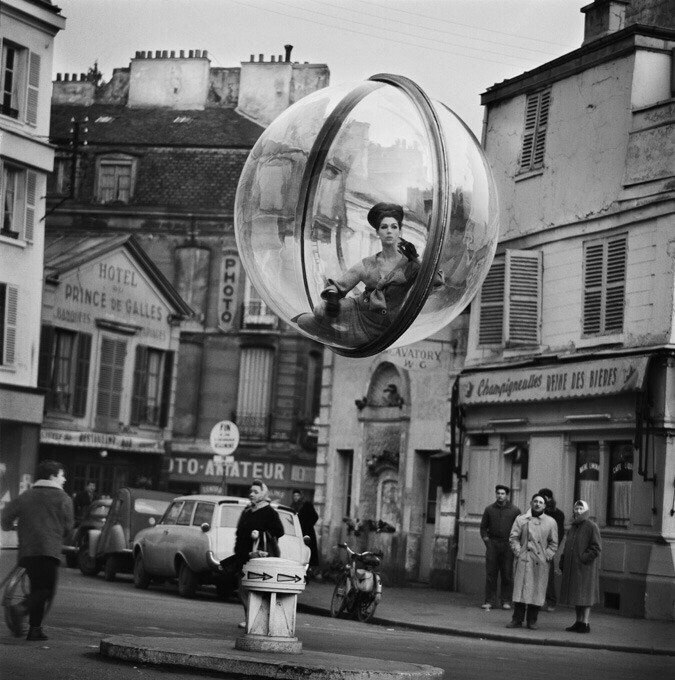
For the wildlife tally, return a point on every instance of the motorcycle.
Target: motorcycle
(359, 588)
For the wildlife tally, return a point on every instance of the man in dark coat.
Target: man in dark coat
(495, 528)
(44, 516)
(559, 517)
(84, 499)
(307, 517)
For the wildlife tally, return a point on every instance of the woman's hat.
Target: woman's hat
(381, 210)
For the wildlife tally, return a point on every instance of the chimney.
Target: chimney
(603, 17)
(289, 49)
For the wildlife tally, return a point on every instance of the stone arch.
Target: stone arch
(388, 386)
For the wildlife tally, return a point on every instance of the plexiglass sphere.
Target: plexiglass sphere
(305, 196)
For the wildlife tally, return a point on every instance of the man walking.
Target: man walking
(495, 528)
(534, 541)
(45, 518)
(559, 517)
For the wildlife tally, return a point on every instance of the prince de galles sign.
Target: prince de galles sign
(567, 381)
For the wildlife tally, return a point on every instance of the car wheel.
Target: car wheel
(141, 577)
(111, 567)
(89, 566)
(187, 581)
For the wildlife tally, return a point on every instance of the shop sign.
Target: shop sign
(224, 438)
(589, 379)
(420, 356)
(206, 470)
(227, 297)
(102, 440)
(111, 288)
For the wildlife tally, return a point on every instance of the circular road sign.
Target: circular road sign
(224, 437)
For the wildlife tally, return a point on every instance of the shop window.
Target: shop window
(115, 179)
(254, 394)
(587, 476)
(20, 83)
(620, 483)
(64, 369)
(537, 106)
(9, 306)
(192, 277)
(152, 386)
(110, 383)
(510, 302)
(18, 197)
(604, 286)
(346, 472)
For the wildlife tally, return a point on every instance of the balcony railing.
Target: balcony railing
(256, 314)
(253, 425)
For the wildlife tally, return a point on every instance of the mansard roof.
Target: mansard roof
(119, 125)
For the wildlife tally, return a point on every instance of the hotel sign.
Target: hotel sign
(568, 381)
(101, 440)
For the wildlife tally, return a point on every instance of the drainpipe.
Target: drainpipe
(456, 428)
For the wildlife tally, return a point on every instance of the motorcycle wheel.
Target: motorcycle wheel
(339, 600)
(365, 607)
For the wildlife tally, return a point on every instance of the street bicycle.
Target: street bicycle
(359, 588)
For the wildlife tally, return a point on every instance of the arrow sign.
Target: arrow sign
(255, 576)
(282, 578)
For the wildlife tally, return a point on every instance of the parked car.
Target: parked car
(93, 518)
(195, 534)
(110, 547)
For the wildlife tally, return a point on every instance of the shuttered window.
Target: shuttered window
(115, 179)
(110, 381)
(255, 387)
(604, 286)
(32, 94)
(537, 108)
(31, 200)
(510, 310)
(152, 386)
(9, 309)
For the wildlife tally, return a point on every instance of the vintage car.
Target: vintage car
(110, 548)
(93, 518)
(195, 535)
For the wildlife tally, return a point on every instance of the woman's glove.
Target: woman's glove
(407, 249)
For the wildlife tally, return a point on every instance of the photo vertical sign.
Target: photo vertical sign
(230, 269)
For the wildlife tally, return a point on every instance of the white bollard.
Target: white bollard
(273, 585)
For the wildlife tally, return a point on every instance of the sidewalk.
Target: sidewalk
(448, 613)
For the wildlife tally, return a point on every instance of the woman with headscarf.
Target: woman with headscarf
(534, 541)
(387, 276)
(581, 567)
(259, 516)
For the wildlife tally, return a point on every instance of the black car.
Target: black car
(94, 518)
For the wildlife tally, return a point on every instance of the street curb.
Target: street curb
(500, 637)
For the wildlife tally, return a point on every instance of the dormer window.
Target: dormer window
(115, 179)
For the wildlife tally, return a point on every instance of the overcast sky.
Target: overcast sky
(454, 49)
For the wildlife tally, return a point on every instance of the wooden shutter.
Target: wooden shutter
(166, 389)
(33, 88)
(616, 285)
(111, 379)
(491, 321)
(31, 200)
(11, 314)
(537, 108)
(139, 395)
(82, 374)
(593, 275)
(523, 283)
(46, 359)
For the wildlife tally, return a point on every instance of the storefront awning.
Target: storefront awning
(598, 378)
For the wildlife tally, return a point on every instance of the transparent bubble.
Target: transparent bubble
(302, 206)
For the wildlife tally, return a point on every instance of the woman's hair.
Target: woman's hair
(263, 487)
(381, 210)
(47, 469)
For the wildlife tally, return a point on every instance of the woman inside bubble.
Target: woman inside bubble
(387, 276)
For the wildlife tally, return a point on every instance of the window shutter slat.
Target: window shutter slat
(82, 374)
(11, 315)
(32, 95)
(31, 200)
(166, 389)
(138, 397)
(534, 133)
(113, 353)
(524, 295)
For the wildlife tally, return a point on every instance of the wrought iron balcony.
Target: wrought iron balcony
(253, 425)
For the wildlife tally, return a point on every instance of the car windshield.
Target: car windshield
(99, 511)
(287, 522)
(150, 506)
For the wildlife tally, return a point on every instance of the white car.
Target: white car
(195, 534)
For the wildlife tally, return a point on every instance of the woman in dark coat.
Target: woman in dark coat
(581, 567)
(308, 517)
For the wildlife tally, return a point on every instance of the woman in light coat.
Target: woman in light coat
(581, 567)
(534, 541)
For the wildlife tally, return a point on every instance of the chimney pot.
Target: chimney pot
(137, 55)
(140, 55)
(165, 54)
(83, 76)
(191, 54)
(74, 77)
(182, 54)
(198, 54)
(261, 57)
(66, 77)
(280, 58)
(205, 54)
(273, 58)
(172, 54)
(252, 57)
(289, 49)
(58, 77)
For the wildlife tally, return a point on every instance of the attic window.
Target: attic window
(182, 119)
(104, 119)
